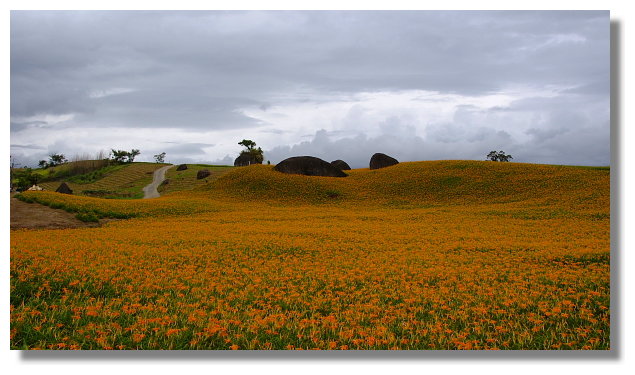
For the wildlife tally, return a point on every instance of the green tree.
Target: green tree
(25, 178)
(498, 156)
(256, 154)
(119, 156)
(43, 164)
(56, 159)
(122, 156)
(248, 143)
(133, 154)
(160, 158)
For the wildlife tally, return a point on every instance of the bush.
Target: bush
(56, 205)
(87, 217)
(24, 199)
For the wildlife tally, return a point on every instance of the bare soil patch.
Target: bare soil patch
(36, 216)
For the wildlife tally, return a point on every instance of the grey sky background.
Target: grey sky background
(417, 85)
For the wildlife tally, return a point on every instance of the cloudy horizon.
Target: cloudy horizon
(417, 85)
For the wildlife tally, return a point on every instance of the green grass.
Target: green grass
(96, 175)
(124, 181)
(87, 217)
(186, 179)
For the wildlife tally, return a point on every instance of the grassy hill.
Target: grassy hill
(427, 182)
(523, 190)
(186, 179)
(118, 181)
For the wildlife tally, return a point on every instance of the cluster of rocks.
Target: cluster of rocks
(201, 174)
(309, 166)
(312, 166)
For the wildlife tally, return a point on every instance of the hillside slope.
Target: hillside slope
(427, 182)
(186, 179)
(125, 182)
(506, 190)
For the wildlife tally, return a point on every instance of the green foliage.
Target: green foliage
(24, 198)
(56, 159)
(122, 156)
(25, 178)
(248, 143)
(160, 158)
(93, 176)
(498, 156)
(87, 217)
(256, 154)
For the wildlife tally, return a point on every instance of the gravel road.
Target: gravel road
(150, 191)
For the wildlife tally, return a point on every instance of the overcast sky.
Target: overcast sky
(337, 85)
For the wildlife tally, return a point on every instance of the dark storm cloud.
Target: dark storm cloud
(197, 71)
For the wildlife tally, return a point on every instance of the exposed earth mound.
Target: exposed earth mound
(341, 164)
(380, 160)
(64, 189)
(309, 166)
(181, 167)
(202, 174)
(38, 216)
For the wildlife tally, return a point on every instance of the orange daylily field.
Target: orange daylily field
(421, 255)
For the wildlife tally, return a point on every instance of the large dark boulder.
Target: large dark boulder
(308, 166)
(64, 189)
(380, 160)
(181, 167)
(202, 174)
(341, 165)
(245, 159)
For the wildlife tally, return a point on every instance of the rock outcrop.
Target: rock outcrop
(380, 160)
(64, 189)
(181, 167)
(309, 166)
(245, 159)
(341, 165)
(202, 174)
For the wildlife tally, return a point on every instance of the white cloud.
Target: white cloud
(456, 81)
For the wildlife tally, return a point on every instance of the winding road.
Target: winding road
(150, 191)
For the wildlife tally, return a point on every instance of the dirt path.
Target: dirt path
(150, 191)
(37, 216)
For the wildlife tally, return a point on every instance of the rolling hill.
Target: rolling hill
(422, 255)
(120, 181)
(426, 182)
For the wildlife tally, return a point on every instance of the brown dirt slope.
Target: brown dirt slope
(36, 216)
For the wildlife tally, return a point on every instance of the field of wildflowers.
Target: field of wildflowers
(426, 255)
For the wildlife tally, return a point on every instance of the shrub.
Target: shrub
(87, 217)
